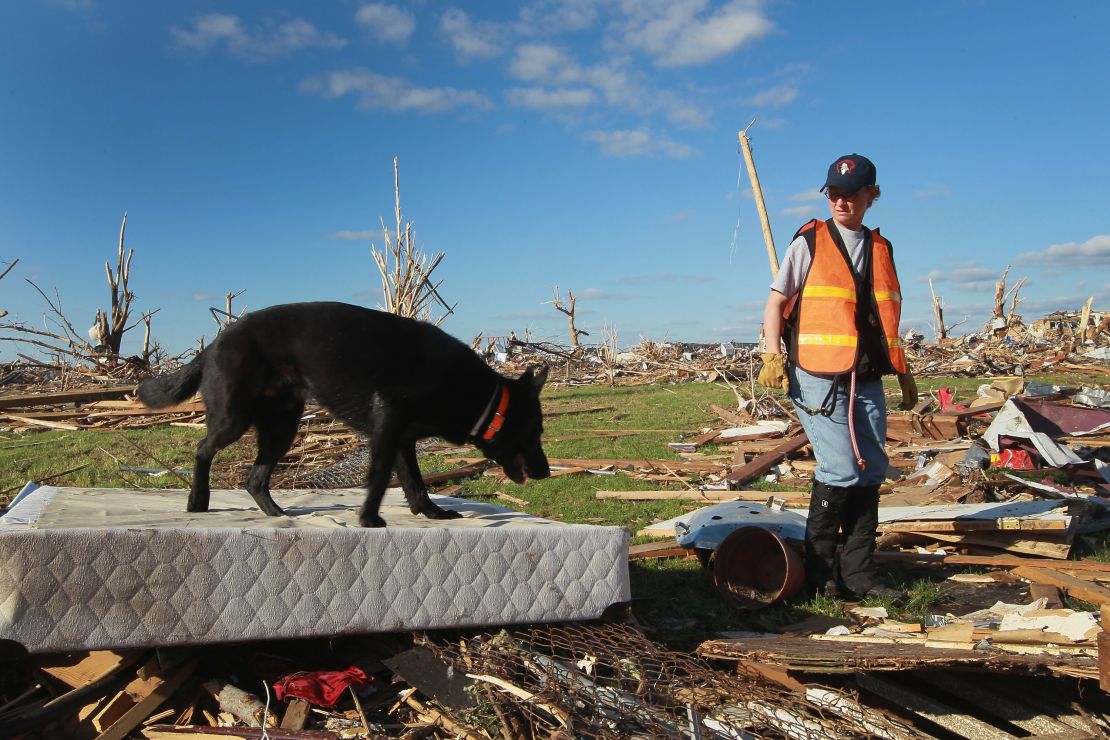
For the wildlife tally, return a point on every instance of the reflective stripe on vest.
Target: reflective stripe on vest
(888, 299)
(825, 335)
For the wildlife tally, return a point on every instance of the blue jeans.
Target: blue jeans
(829, 435)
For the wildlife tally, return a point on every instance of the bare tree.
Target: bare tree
(407, 288)
(2, 274)
(938, 310)
(1001, 294)
(101, 348)
(226, 317)
(568, 309)
(110, 325)
(608, 350)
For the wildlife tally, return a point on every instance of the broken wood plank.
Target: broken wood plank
(1038, 544)
(704, 496)
(1008, 524)
(817, 656)
(1048, 592)
(196, 732)
(78, 669)
(997, 561)
(730, 416)
(42, 422)
(470, 470)
(1104, 660)
(63, 397)
(161, 689)
(665, 549)
(624, 464)
(763, 463)
(984, 409)
(1072, 586)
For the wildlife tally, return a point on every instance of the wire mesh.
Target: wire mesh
(610, 681)
(348, 472)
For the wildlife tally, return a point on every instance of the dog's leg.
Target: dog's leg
(416, 493)
(224, 427)
(385, 431)
(276, 424)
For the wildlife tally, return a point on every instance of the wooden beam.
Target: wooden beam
(64, 397)
(664, 549)
(1005, 524)
(997, 561)
(703, 496)
(766, 461)
(1072, 586)
(160, 690)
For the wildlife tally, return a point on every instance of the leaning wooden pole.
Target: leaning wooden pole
(757, 193)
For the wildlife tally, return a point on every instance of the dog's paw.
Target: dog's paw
(371, 521)
(435, 512)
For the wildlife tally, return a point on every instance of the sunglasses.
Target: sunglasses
(835, 195)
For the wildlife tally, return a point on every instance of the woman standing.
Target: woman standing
(836, 303)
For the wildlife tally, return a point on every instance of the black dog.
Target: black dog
(397, 380)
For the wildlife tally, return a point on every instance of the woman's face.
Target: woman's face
(848, 208)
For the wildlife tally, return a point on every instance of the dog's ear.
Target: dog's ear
(536, 376)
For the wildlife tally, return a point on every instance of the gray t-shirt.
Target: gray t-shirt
(796, 262)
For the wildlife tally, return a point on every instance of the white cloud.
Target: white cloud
(543, 63)
(538, 98)
(219, 31)
(548, 17)
(806, 210)
(78, 5)
(554, 66)
(355, 236)
(932, 191)
(970, 277)
(470, 39)
(386, 22)
(678, 33)
(778, 96)
(663, 278)
(807, 195)
(396, 94)
(202, 296)
(638, 143)
(1093, 253)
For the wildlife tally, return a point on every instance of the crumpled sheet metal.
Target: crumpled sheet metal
(1011, 422)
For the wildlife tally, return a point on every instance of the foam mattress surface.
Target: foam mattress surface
(100, 568)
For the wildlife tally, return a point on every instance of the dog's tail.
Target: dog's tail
(166, 390)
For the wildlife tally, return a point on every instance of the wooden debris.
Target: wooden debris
(1074, 587)
(744, 473)
(802, 653)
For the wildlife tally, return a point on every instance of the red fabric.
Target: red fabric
(322, 688)
(1014, 459)
(947, 404)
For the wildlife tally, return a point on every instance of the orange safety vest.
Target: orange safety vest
(824, 336)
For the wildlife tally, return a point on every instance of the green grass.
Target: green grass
(675, 593)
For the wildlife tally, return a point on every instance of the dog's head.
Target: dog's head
(516, 446)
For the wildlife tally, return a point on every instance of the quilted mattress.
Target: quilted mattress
(84, 569)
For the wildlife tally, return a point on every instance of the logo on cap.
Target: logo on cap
(845, 166)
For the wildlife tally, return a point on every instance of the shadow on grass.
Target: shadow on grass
(679, 599)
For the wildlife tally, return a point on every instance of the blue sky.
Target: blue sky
(579, 143)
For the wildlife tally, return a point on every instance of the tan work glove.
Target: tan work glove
(909, 391)
(773, 374)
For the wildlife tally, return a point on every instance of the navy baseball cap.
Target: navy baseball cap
(850, 173)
